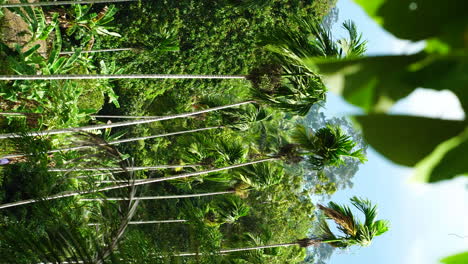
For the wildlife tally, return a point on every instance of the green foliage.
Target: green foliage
(171, 37)
(325, 147)
(213, 38)
(445, 162)
(39, 27)
(456, 259)
(376, 83)
(85, 25)
(368, 82)
(353, 231)
(403, 18)
(417, 136)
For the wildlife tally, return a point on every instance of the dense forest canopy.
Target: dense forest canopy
(214, 167)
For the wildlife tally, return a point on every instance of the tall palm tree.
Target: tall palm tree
(325, 147)
(116, 76)
(304, 146)
(164, 197)
(125, 123)
(311, 39)
(254, 177)
(64, 236)
(352, 231)
(295, 93)
(120, 169)
(54, 3)
(115, 142)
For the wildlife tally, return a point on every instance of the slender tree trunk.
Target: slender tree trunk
(53, 3)
(115, 142)
(161, 197)
(149, 222)
(117, 76)
(122, 124)
(158, 167)
(98, 50)
(225, 251)
(126, 185)
(124, 117)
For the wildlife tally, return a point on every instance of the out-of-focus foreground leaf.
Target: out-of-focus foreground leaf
(447, 161)
(418, 19)
(406, 140)
(461, 258)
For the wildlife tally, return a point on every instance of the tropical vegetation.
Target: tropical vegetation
(209, 168)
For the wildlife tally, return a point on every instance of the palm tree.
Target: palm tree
(180, 196)
(120, 169)
(121, 124)
(325, 147)
(54, 3)
(97, 51)
(351, 230)
(171, 221)
(135, 183)
(254, 177)
(296, 93)
(115, 142)
(304, 146)
(116, 76)
(64, 236)
(312, 40)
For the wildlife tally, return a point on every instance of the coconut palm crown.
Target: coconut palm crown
(311, 39)
(352, 230)
(328, 146)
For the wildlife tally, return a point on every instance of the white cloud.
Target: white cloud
(400, 46)
(416, 253)
(431, 103)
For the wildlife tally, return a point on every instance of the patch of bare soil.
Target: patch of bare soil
(15, 31)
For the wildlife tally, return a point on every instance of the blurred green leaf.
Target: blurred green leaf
(406, 140)
(447, 161)
(375, 83)
(417, 20)
(442, 72)
(461, 258)
(372, 83)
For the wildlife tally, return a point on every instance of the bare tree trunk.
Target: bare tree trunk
(54, 3)
(161, 197)
(98, 50)
(133, 183)
(225, 251)
(116, 76)
(122, 124)
(158, 167)
(123, 117)
(149, 222)
(115, 142)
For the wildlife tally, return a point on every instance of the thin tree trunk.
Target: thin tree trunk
(54, 3)
(161, 197)
(98, 50)
(149, 222)
(225, 251)
(158, 167)
(122, 124)
(116, 76)
(124, 117)
(115, 142)
(126, 185)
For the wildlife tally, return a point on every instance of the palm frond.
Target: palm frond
(366, 207)
(261, 176)
(354, 46)
(342, 216)
(354, 231)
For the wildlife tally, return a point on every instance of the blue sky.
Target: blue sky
(424, 218)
